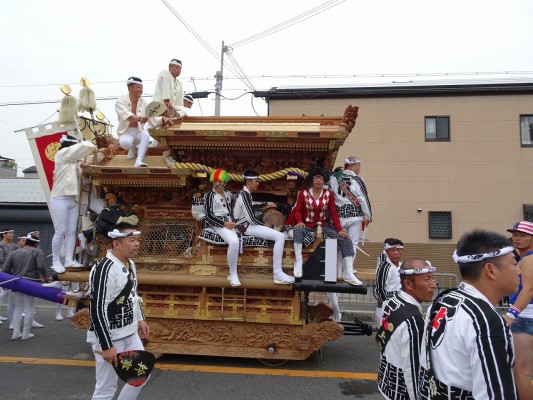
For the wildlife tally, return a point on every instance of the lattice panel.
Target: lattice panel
(164, 237)
(221, 304)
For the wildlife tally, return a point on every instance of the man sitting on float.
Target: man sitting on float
(218, 216)
(244, 214)
(311, 208)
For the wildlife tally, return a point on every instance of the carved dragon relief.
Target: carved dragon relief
(349, 117)
(229, 333)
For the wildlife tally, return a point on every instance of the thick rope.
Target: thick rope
(238, 177)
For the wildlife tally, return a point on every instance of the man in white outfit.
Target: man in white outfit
(116, 318)
(130, 110)
(353, 207)
(169, 89)
(244, 214)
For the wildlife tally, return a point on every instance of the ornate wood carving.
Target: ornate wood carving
(236, 339)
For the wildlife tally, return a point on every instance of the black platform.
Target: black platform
(312, 279)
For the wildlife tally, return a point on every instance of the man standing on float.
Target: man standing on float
(355, 212)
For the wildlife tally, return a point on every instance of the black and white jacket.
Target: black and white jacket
(244, 208)
(399, 339)
(218, 208)
(470, 349)
(387, 279)
(115, 308)
(346, 207)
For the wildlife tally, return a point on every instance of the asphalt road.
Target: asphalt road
(58, 364)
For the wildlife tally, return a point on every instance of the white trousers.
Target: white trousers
(10, 306)
(65, 210)
(134, 137)
(352, 227)
(106, 377)
(23, 304)
(231, 238)
(264, 232)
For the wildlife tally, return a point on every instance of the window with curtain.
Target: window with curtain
(526, 130)
(437, 129)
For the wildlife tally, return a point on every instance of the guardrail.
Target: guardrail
(444, 282)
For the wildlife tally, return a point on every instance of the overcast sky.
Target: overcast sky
(48, 43)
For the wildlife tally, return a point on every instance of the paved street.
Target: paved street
(57, 364)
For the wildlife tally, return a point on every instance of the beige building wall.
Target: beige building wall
(482, 175)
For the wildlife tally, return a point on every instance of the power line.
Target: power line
(235, 98)
(376, 75)
(62, 83)
(9, 123)
(190, 29)
(293, 21)
(199, 38)
(305, 76)
(199, 103)
(247, 82)
(106, 98)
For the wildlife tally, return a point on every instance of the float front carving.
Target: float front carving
(166, 332)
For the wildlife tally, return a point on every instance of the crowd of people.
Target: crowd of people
(229, 217)
(21, 259)
(463, 348)
(460, 348)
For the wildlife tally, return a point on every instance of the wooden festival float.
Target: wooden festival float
(189, 304)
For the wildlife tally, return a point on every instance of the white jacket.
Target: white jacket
(67, 171)
(123, 109)
(168, 87)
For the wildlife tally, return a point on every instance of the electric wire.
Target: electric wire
(308, 76)
(252, 104)
(54, 113)
(199, 38)
(245, 80)
(235, 98)
(293, 21)
(9, 123)
(199, 103)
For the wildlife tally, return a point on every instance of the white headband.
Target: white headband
(20, 237)
(9, 230)
(65, 138)
(250, 177)
(387, 246)
(116, 234)
(175, 62)
(472, 258)
(351, 162)
(136, 81)
(28, 237)
(417, 271)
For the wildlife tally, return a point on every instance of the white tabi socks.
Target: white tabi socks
(233, 278)
(348, 275)
(298, 260)
(333, 299)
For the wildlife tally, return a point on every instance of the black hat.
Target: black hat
(318, 170)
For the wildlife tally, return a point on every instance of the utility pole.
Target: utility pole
(218, 84)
